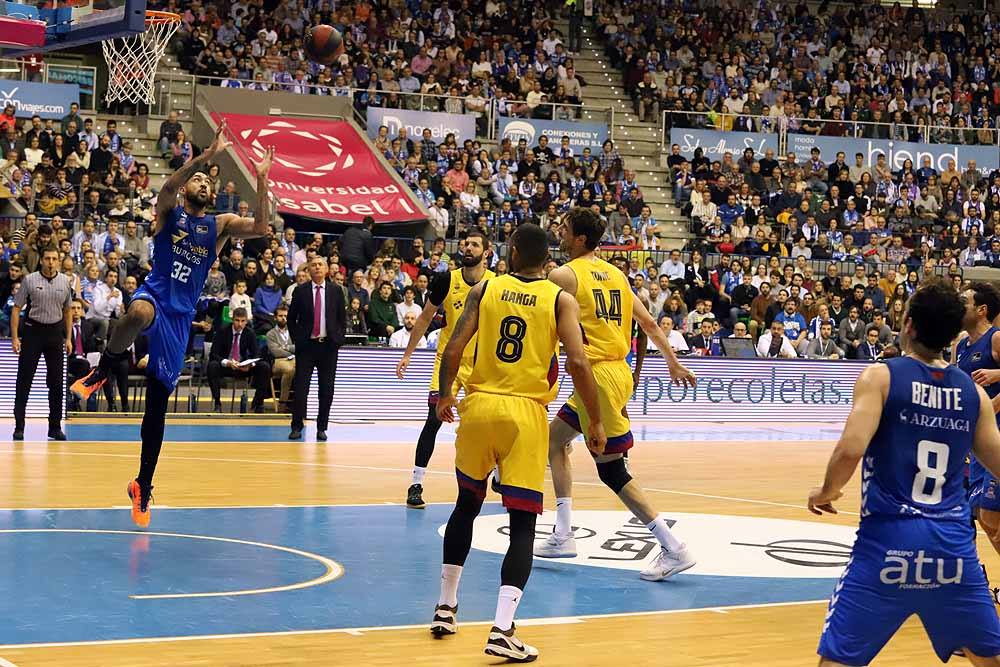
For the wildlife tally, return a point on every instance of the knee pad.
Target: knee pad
(614, 474)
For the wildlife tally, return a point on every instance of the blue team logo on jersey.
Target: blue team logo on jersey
(201, 229)
(977, 356)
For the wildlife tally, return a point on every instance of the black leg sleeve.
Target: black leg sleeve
(458, 533)
(425, 443)
(517, 563)
(153, 423)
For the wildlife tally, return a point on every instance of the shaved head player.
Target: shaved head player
(186, 242)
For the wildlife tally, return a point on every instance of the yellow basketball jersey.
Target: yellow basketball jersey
(453, 306)
(605, 299)
(518, 345)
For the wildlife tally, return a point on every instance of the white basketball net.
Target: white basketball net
(132, 62)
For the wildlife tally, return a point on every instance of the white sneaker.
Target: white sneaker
(445, 620)
(555, 546)
(667, 564)
(505, 645)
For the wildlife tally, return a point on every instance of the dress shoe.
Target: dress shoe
(18, 434)
(321, 436)
(56, 434)
(296, 434)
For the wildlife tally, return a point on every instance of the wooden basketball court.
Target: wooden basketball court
(265, 552)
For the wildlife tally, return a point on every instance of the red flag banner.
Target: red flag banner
(323, 169)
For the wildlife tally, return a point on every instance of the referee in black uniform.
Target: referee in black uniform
(46, 330)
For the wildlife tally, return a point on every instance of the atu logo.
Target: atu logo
(734, 546)
(279, 127)
(519, 129)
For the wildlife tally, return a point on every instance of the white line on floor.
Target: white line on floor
(559, 620)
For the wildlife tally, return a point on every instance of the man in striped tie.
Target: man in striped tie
(316, 319)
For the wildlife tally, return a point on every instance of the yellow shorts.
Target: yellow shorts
(463, 374)
(509, 432)
(614, 389)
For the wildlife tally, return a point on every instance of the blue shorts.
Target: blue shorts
(984, 489)
(898, 568)
(168, 338)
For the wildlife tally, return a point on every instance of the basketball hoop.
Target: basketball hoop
(132, 60)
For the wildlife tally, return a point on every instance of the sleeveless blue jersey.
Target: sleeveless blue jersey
(184, 251)
(970, 358)
(915, 464)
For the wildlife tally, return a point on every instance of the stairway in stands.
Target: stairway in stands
(638, 142)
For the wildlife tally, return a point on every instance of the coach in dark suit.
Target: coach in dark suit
(233, 344)
(316, 319)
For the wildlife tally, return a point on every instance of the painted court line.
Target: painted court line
(557, 620)
(334, 570)
(6, 663)
(409, 470)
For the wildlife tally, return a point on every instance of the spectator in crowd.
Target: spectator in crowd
(401, 338)
(674, 337)
(382, 320)
(235, 354)
(282, 349)
(773, 343)
(823, 346)
(871, 349)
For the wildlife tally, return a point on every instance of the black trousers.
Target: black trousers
(39, 340)
(260, 378)
(323, 358)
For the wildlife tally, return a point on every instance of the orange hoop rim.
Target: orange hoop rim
(157, 18)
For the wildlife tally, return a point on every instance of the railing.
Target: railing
(786, 127)
(83, 75)
(173, 88)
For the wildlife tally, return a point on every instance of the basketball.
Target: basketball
(324, 44)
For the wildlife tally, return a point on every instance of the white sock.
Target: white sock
(564, 517)
(418, 475)
(507, 603)
(450, 576)
(663, 535)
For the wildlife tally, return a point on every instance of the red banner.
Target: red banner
(323, 169)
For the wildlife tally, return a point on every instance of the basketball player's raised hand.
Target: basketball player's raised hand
(221, 142)
(820, 501)
(264, 166)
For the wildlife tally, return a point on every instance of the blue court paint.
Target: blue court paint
(75, 587)
(231, 430)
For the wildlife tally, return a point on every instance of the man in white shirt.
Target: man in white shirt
(775, 343)
(408, 304)
(673, 267)
(437, 220)
(401, 338)
(107, 303)
(674, 337)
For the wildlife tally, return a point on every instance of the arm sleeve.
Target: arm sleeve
(439, 288)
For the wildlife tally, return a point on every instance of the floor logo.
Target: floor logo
(737, 546)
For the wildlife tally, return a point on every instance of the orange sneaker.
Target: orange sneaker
(89, 383)
(140, 503)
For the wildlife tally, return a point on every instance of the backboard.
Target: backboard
(78, 22)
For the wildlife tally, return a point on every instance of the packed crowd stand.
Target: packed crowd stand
(774, 242)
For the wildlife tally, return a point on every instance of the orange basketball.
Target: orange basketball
(324, 44)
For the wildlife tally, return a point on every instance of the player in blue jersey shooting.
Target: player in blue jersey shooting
(186, 242)
(914, 421)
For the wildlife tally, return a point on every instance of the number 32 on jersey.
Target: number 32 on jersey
(181, 272)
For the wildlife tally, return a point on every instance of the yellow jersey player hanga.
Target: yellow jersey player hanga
(452, 299)
(606, 302)
(514, 376)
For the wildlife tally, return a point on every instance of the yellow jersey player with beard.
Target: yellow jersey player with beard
(448, 291)
(607, 310)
